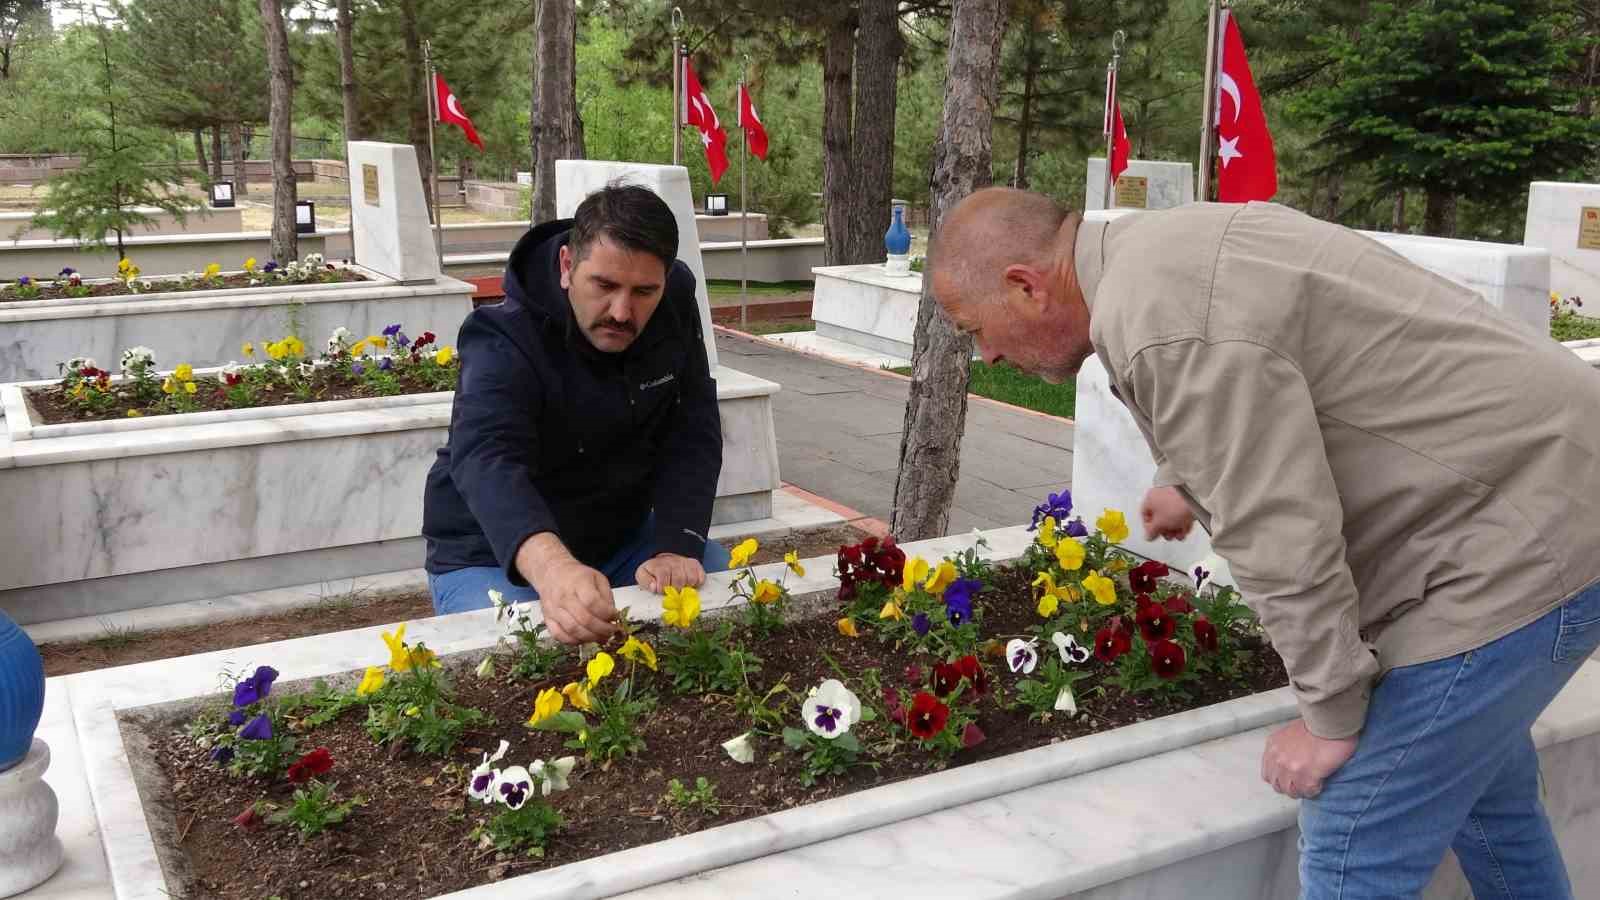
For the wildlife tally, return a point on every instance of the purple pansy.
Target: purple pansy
(1200, 576)
(236, 718)
(1058, 507)
(385, 364)
(256, 687)
(271, 266)
(920, 623)
(222, 755)
(68, 272)
(958, 599)
(257, 729)
(391, 331)
(357, 368)
(1077, 529)
(24, 281)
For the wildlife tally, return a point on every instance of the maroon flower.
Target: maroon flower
(946, 676)
(1205, 634)
(913, 673)
(249, 819)
(891, 700)
(315, 763)
(1167, 659)
(1143, 578)
(927, 716)
(1179, 604)
(1111, 642)
(1155, 623)
(970, 669)
(1140, 601)
(972, 735)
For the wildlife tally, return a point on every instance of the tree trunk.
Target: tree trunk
(216, 152)
(837, 57)
(417, 99)
(556, 131)
(200, 151)
(1335, 195)
(1591, 68)
(1399, 222)
(936, 413)
(1439, 219)
(345, 26)
(280, 70)
(875, 75)
(236, 136)
(1030, 74)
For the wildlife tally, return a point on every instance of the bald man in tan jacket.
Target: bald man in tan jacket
(1405, 482)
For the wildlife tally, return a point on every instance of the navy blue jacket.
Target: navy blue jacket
(549, 434)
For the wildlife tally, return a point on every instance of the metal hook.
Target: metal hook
(677, 20)
(1118, 41)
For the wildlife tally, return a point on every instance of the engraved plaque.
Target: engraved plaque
(1589, 228)
(369, 183)
(1133, 192)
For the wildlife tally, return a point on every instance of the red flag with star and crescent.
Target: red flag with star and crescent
(755, 134)
(1247, 163)
(450, 109)
(698, 112)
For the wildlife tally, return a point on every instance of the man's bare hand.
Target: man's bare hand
(669, 569)
(577, 603)
(1297, 762)
(1166, 515)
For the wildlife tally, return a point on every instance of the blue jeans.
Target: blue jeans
(1446, 760)
(469, 588)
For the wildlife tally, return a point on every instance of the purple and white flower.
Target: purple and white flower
(1071, 651)
(831, 709)
(1022, 655)
(480, 784)
(512, 787)
(552, 775)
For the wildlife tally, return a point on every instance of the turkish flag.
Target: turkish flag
(698, 112)
(1119, 144)
(755, 134)
(1249, 166)
(450, 109)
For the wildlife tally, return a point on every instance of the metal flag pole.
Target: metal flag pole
(744, 211)
(677, 88)
(433, 157)
(1117, 40)
(1208, 104)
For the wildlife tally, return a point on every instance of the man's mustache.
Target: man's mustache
(614, 323)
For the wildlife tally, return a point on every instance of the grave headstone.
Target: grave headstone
(389, 224)
(1564, 218)
(1145, 184)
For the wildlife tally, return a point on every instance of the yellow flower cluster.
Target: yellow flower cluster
(213, 270)
(250, 265)
(635, 650)
(934, 579)
(290, 346)
(126, 270)
(404, 658)
(681, 607)
(444, 355)
(181, 379)
(740, 557)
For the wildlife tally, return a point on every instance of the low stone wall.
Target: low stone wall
(498, 197)
(154, 254)
(18, 226)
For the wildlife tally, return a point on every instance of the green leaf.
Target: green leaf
(847, 741)
(568, 721)
(796, 738)
(868, 714)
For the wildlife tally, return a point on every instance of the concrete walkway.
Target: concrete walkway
(839, 437)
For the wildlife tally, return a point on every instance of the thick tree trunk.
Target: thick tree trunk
(1398, 222)
(344, 24)
(1439, 219)
(837, 57)
(280, 70)
(216, 152)
(240, 149)
(1335, 196)
(936, 413)
(1030, 74)
(417, 98)
(200, 151)
(875, 76)
(556, 131)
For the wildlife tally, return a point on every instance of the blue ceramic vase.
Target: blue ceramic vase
(21, 692)
(897, 240)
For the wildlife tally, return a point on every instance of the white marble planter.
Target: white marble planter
(1133, 812)
(124, 514)
(205, 328)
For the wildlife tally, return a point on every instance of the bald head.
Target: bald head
(988, 231)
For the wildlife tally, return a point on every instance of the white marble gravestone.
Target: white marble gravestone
(1167, 184)
(389, 224)
(578, 178)
(1513, 278)
(1564, 218)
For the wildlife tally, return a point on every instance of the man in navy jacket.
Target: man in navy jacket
(585, 441)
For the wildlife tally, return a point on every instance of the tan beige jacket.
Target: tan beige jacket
(1395, 471)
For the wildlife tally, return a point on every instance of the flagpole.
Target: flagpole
(1208, 104)
(433, 157)
(677, 88)
(1111, 107)
(744, 210)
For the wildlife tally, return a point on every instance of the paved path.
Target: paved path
(839, 436)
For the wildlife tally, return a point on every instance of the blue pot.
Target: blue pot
(21, 692)
(897, 240)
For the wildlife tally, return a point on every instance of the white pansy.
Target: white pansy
(831, 709)
(1066, 703)
(740, 749)
(1022, 655)
(480, 785)
(314, 259)
(339, 340)
(552, 775)
(512, 786)
(136, 360)
(1071, 651)
(496, 598)
(79, 363)
(485, 669)
(1212, 570)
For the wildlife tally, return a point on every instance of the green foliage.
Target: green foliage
(1038, 693)
(524, 830)
(219, 78)
(702, 797)
(822, 757)
(327, 704)
(537, 656)
(312, 810)
(704, 661)
(1573, 327)
(615, 731)
(415, 706)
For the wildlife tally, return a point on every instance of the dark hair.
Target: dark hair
(632, 216)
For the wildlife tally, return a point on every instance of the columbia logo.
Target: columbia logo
(658, 382)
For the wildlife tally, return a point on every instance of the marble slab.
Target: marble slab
(1588, 351)
(1514, 279)
(162, 254)
(578, 178)
(865, 306)
(1169, 184)
(1557, 210)
(389, 222)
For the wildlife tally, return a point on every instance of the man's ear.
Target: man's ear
(1030, 282)
(566, 268)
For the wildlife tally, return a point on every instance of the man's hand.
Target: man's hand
(575, 599)
(1297, 762)
(1166, 515)
(670, 569)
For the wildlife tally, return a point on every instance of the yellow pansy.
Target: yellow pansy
(358, 348)
(681, 607)
(370, 681)
(168, 386)
(1117, 565)
(248, 348)
(213, 270)
(190, 387)
(123, 264)
(423, 658)
(915, 569)
(892, 610)
(1113, 526)
(1100, 587)
(277, 350)
(766, 592)
(294, 346)
(941, 578)
(399, 656)
(599, 667)
(1049, 596)
(742, 553)
(377, 341)
(250, 265)
(1047, 532)
(444, 355)
(134, 414)
(184, 372)
(636, 650)
(578, 695)
(847, 627)
(548, 704)
(793, 560)
(1069, 554)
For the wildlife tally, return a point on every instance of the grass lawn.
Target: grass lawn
(1009, 385)
(781, 327)
(1573, 327)
(730, 286)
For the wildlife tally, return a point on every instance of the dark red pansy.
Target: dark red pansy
(972, 670)
(1179, 604)
(1155, 623)
(1144, 576)
(1205, 634)
(1167, 659)
(1111, 642)
(946, 676)
(315, 763)
(927, 716)
(972, 735)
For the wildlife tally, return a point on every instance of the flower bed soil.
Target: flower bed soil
(55, 407)
(411, 839)
(232, 282)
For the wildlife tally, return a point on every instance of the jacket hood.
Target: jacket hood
(533, 276)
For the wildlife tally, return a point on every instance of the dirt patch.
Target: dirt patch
(412, 838)
(59, 290)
